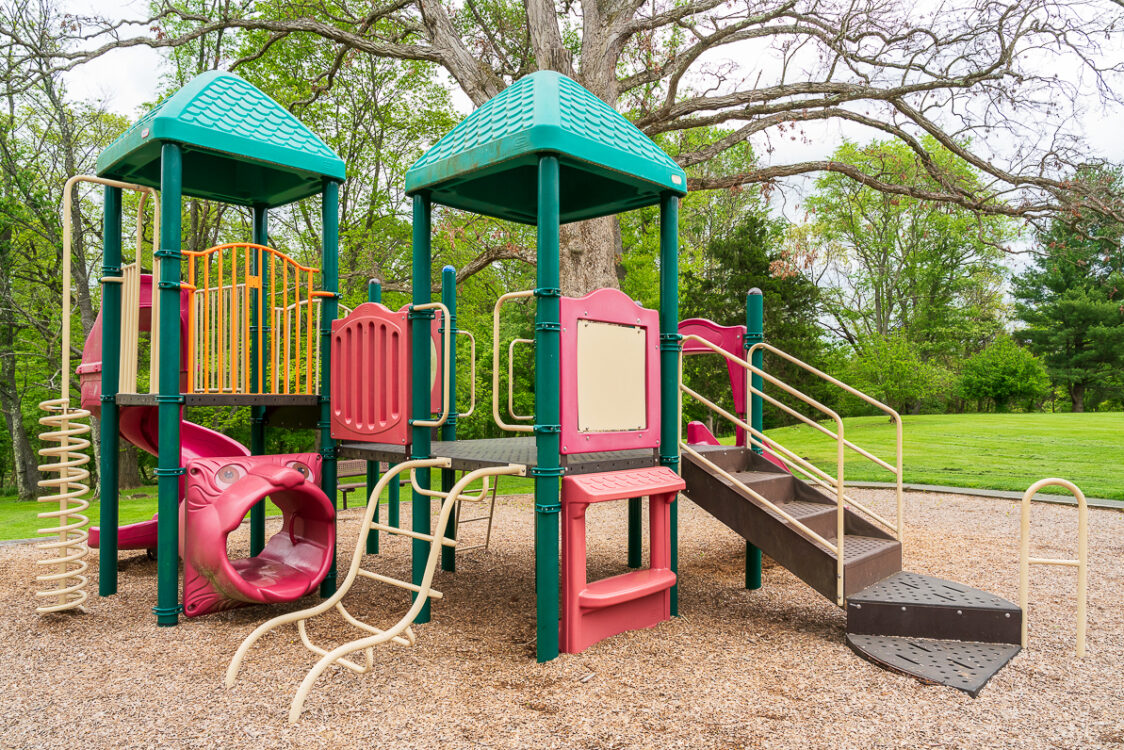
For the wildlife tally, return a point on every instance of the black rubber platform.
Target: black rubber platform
(222, 399)
(475, 454)
(917, 606)
(964, 665)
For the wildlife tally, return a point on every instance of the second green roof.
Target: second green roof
(488, 163)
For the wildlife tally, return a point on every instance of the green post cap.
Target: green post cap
(239, 145)
(488, 164)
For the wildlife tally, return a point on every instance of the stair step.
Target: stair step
(964, 665)
(775, 486)
(913, 605)
(819, 517)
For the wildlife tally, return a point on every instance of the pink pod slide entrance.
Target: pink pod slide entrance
(220, 492)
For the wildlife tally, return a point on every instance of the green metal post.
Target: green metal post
(449, 429)
(169, 399)
(669, 361)
(374, 294)
(110, 383)
(754, 332)
(394, 501)
(635, 526)
(547, 411)
(420, 364)
(329, 308)
(257, 413)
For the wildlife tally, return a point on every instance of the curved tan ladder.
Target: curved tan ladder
(65, 439)
(1081, 563)
(401, 632)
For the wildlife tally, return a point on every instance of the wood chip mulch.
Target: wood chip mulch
(738, 669)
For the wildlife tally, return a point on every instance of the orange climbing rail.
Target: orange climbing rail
(251, 322)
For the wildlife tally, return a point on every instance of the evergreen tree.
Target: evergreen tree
(1072, 302)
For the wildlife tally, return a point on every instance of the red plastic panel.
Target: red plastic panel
(593, 611)
(220, 491)
(371, 375)
(729, 339)
(607, 306)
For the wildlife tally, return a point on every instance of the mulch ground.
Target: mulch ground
(765, 668)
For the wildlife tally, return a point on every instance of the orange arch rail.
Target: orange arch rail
(233, 286)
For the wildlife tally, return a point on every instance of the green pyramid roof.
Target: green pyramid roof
(487, 164)
(239, 145)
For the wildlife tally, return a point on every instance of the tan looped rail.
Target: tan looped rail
(1081, 563)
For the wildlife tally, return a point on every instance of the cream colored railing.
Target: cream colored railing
(834, 484)
(496, 362)
(1081, 563)
(401, 632)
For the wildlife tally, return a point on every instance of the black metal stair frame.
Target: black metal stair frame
(938, 631)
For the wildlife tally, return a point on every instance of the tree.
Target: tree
(892, 370)
(899, 69)
(1003, 372)
(1072, 301)
(895, 264)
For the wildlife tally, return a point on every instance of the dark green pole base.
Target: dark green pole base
(752, 567)
(167, 617)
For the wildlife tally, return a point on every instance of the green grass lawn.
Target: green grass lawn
(985, 451)
(18, 520)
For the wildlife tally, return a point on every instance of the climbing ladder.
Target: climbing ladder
(401, 631)
(802, 517)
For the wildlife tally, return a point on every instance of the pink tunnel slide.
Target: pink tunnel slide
(224, 482)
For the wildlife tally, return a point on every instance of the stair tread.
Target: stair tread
(914, 589)
(964, 665)
(858, 547)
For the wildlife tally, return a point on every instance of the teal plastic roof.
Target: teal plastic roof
(488, 163)
(239, 145)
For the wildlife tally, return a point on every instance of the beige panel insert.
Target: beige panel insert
(612, 362)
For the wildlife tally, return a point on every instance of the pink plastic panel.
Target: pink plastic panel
(728, 338)
(607, 306)
(220, 491)
(371, 375)
(434, 361)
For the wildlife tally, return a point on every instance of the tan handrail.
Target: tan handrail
(1081, 563)
(446, 350)
(472, 379)
(840, 513)
(894, 416)
(401, 632)
(511, 380)
(496, 362)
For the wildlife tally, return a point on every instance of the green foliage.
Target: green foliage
(1072, 302)
(893, 370)
(1003, 372)
(896, 264)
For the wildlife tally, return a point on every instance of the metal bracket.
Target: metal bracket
(548, 471)
(177, 472)
(552, 508)
(420, 314)
(749, 339)
(170, 285)
(162, 398)
(329, 451)
(108, 398)
(548, 429)
(173, 254)
(547, 326)
(161, 611)
(548, 291)
(671, 461)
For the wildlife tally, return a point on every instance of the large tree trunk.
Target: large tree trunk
(1077, 396)
(590, 255)
(128, 473)
(11, 401)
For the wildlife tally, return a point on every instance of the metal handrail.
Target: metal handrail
(446, 390)
(893, 414)
(472, 364)
(511, 379)
(838, 547)
(1081, 563)
(496, 362)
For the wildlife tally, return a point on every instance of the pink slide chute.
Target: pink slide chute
(139, 424)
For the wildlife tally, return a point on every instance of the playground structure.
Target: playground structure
(379, 383)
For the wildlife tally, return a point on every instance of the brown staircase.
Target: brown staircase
(938, 631)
